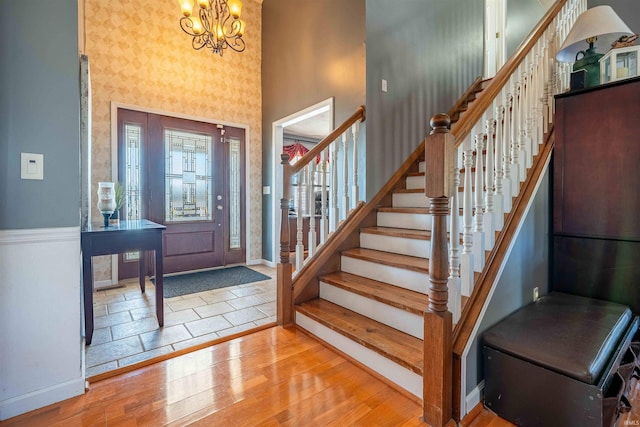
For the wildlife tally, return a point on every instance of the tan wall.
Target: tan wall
(138, 55)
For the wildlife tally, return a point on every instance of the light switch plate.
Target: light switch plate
(31, 166)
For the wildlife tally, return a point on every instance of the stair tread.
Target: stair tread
(407, 262)
(397, 346)
(415, 173)
(398, 232)
(404, 299)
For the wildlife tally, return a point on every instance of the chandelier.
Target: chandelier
(215, 24)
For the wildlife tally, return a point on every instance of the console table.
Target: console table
(129, 236)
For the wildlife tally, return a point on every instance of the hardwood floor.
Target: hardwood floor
(270, 378)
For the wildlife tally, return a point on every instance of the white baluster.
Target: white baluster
(515, 143)
(355, 192)
(334, 212)
(498, 201)
(324, 220)
(522, 127)
(299, 223)
(478, 225)
(506, 159)
(466, 258)
(454, 283)
(489, 213)
(345, 177)
(311, 246)
(547, 63)
(533, 102)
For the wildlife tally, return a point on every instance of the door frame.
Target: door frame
(277, 137)
(495, 48)
(114, 162)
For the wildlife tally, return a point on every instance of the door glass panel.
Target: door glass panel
(132, 202)
(234, 193)
(187, 176)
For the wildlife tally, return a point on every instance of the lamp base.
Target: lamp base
(106, 218)
(590, 62)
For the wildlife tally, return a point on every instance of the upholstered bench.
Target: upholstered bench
(563, 360)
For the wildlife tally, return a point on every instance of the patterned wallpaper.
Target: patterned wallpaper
(139, 56)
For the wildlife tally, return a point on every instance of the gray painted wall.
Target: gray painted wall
(311, 50)
(627, 10)
(522, 16)
(526, 268)
(40, 106)
(429, 51)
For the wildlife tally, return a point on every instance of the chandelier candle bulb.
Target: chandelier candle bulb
(187, 7)
(235, 8)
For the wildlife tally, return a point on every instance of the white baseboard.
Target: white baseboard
(474, 397)
(100, 284)
(37, 399)
(266, 262)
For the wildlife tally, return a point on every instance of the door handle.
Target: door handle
(219, 207)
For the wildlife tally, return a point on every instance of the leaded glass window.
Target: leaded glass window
(235, 201)
(188, 182)
(132, 186)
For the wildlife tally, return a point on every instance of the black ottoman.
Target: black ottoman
(563, 360)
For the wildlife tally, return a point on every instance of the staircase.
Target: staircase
(372, 307)
(371, 292)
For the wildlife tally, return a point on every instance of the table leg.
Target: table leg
(159, 288)
(142, 269)
(87, 285)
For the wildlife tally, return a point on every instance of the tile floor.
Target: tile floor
(126, 330)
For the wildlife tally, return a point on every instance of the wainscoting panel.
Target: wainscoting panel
(40, 318)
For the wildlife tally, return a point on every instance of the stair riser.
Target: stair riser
(413, 182)
(395, 373)
(404, 220)
(396, 245)
(410, 221)
(410, 200)
(402, 320)
(401, 277)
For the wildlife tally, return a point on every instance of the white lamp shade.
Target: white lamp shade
(601, 22)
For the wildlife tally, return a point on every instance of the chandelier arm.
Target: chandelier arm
(186, 24)
(239, 43)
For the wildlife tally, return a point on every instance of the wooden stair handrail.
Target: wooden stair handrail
(464, 126)
(359, 115)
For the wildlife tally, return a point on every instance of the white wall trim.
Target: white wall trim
(114, 162)
(475, 396)
(39, 235)
(276, 176)
(39, 398)
(474, 333)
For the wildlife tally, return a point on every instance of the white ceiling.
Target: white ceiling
(316, 127)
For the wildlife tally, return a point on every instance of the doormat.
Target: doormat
(184, 284)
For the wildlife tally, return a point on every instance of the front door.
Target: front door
(191, 179)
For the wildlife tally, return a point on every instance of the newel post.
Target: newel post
(284, 267)
(437, 369)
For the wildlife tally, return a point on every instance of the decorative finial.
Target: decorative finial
(440, 123)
